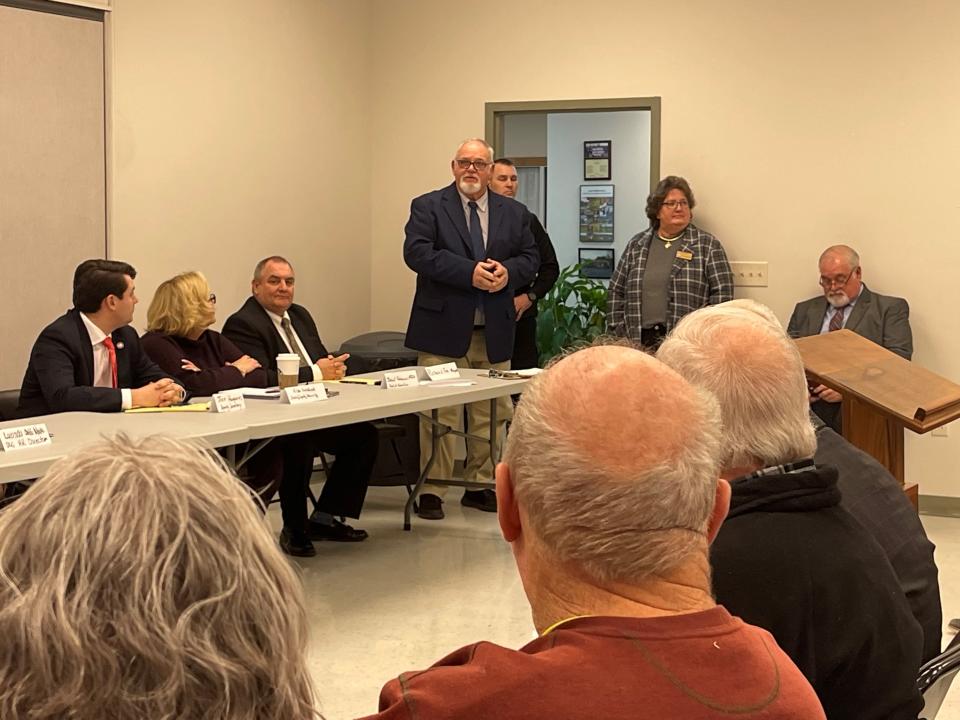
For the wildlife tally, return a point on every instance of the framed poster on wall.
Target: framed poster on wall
(596, 263)
(596, 213)
(596, 159)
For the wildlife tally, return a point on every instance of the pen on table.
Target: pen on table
(359, 382)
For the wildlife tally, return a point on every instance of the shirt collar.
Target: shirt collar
(481, 202)
(97, 335)
(278, 318)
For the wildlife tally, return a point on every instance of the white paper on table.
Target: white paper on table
(448, 383)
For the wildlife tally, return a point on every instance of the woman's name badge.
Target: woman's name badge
(684, 254)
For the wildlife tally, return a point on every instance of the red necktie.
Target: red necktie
(112, 351)
(836, 322)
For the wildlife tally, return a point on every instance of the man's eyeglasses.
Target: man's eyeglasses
(674, 204)
(212, 298)
(838, 281)
(480, 165)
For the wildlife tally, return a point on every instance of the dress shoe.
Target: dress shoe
(296, 545)
(485, 500)
(338, 532)
(430, 507)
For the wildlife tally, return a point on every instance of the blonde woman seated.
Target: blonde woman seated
(180, 341)
(139, 580)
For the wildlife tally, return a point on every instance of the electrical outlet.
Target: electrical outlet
(942, 431)
(749, 274)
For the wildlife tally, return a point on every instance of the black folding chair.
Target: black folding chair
(935, 678)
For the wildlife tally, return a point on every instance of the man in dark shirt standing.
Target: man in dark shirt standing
(526, 354)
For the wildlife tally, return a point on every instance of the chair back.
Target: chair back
(9, 400)
(935, 678)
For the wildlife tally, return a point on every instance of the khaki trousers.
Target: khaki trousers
(478, 466)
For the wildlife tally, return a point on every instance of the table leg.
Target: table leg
(434, 443)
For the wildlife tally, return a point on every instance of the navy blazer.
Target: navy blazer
(254, 332)
(59, 377)
(437, 247)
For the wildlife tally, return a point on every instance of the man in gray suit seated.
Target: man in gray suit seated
(848, 303)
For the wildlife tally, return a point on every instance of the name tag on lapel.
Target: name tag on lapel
(684, 254)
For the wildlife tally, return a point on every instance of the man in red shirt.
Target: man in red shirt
(609, 497)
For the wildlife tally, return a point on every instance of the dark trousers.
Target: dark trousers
(830, 413)
(525, 351)
(651, 337)
(354, 448)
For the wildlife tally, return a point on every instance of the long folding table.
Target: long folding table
(264, 419)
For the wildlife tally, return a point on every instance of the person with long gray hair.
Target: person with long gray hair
(609, 496)
(138, 580)
(789, 558)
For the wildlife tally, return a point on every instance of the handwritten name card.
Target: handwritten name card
(401, 379)
(24, 436)
(300, 394)
(228, 401)
(446, 371)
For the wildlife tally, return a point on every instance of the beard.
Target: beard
(838, 300)
(469, 188)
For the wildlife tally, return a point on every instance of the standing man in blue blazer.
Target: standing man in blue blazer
(848, 303)
(471, 249)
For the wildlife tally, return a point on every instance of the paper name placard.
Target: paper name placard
(401, 379)
(446, 371)
(300, 394)
(23, 437)
(228, 401)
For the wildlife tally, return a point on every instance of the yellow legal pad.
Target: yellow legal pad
(192, 407)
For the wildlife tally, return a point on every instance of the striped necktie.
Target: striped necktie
(836, 322)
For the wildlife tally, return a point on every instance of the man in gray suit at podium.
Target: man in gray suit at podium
(848, 303)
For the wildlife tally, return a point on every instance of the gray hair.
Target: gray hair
(843, 251)
(258, 270)
(625, 495)
(746, 359)
(481, 141)
(138, 579)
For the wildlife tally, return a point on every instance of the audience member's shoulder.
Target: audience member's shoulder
(68, 323)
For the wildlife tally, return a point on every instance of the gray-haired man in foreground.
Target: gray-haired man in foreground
(609, 496)
(789, 558)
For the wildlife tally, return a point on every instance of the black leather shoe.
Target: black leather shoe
(485, 500)
(430, 507)
(338, 532)
(298, 546)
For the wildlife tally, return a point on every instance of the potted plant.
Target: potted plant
(573, 313)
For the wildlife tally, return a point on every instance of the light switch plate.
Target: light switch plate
(749, 274)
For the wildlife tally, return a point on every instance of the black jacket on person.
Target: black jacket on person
(547, 272)
(791, 560)
(875, 498)
(59, 377)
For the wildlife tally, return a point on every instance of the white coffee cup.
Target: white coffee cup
(288, 366)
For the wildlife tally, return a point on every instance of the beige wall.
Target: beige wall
(799, 125)
(240, 130)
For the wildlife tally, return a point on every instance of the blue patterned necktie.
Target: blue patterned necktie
(476, 233)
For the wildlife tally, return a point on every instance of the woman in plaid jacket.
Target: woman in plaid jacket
(668, 270)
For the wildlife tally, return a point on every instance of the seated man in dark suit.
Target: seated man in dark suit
(270, 323)
(848, 303)
(90, 359)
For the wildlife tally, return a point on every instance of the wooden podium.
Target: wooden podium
(882, 394)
